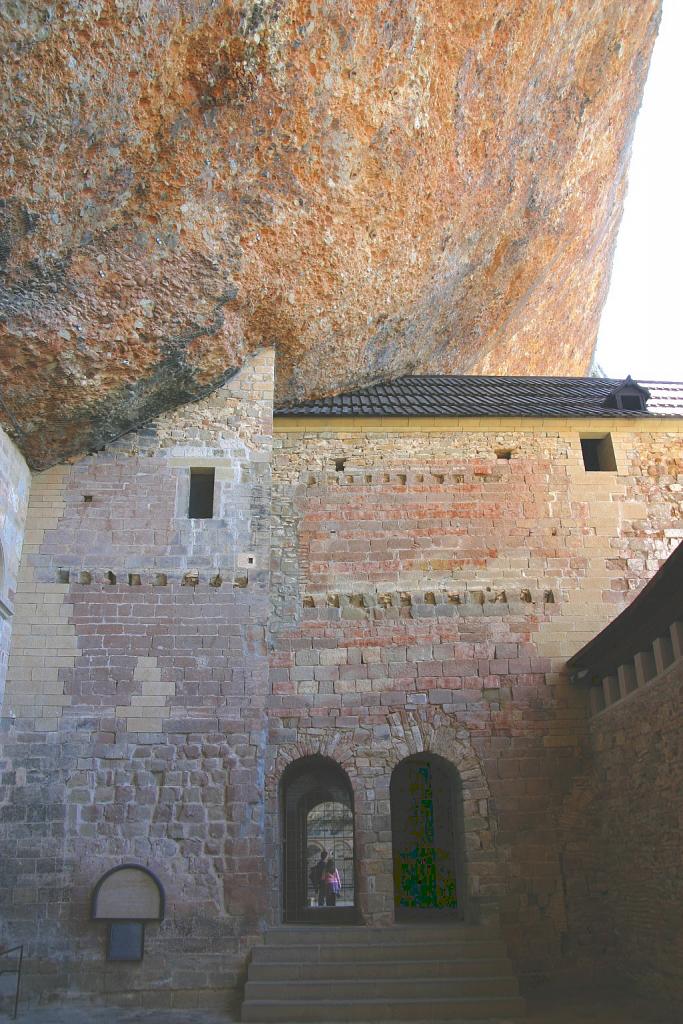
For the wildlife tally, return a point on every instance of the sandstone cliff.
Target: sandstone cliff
(373, 186)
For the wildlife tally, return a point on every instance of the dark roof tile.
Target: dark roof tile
(442, 395)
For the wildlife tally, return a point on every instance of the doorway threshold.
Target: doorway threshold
(428, 915)
(325, 916)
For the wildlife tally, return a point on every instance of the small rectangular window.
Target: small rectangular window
(201, 493)
(598, 454)
(634, 402)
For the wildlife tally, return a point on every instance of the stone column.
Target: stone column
(663, 653)
(645, 667)
(610, 689)
(626, 675)
(676, 632)
(597, 699)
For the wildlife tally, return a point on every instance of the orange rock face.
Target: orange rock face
(374, 188)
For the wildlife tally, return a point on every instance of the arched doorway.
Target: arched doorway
(317, 806)
(426, 831)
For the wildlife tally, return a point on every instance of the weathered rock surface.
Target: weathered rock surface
(373, 187)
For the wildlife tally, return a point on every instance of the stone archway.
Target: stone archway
(433, 731)
(316, 801)
(333, 749)
(368, 757)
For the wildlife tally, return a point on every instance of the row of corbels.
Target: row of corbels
(85, 577)
(405, 599)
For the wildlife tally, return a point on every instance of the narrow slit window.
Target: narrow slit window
(201, 493)
(598, 454)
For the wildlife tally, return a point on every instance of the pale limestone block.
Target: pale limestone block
(144, 725)
(52, 700)
(147, 669)
(158, 688)
(47, 724)
(139, 712)
(635, 510)
(51, 685)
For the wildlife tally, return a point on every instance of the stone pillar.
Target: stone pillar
(610, 689)
(597, 699)
(646, 669)
(626, 675)
(663, 652)
(377, 897)
(676, 632)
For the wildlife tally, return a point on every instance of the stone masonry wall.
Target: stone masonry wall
(403, 587)
(638, 780)
(134, 715)
(15, 482)
(429, 582)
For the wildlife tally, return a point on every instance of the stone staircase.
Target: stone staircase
(452, 972)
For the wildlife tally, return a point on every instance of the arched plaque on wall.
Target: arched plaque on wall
(128, 893)
(126, 897)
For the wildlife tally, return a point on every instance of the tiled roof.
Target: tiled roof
(442, 395)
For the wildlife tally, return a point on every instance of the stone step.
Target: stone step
(390, 989)
(376, 952)
(376, 1010)
(498, 967)
(451, 972)
(316, 935)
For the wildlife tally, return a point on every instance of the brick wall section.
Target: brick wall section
(419, 508)
(428, 588)
(638, 782)
(15, 482)
(378, 690)
(141, 709)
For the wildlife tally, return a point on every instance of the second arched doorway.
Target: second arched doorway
(317, 816)
(426, 834)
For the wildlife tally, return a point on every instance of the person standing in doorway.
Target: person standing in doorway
(332, 883)
(316, 875)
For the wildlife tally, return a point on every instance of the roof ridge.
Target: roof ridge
(488, 395)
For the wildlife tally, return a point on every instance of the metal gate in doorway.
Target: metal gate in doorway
(425, 811)
(317, 805)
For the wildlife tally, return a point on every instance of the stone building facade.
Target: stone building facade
(366, 588)
(136, 701)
